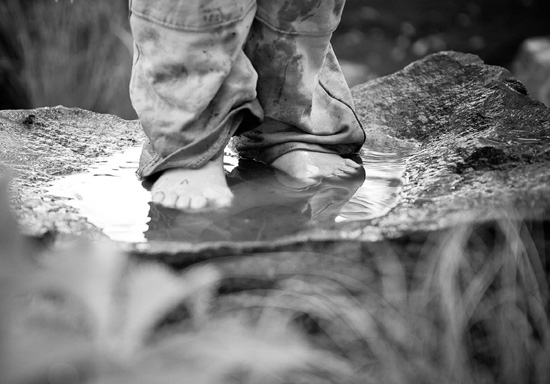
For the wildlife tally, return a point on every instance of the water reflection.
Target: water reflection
(266, 206)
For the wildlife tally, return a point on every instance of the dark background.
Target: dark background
(388, 34)
(79, 53)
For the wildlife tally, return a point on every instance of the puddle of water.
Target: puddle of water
(267, 204)
(110, 196)
(381, 189)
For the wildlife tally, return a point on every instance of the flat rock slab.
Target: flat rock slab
(480, 146)
(40, 145)
(484, 143)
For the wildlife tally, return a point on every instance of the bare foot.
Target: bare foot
(193, 189)
(312, 166)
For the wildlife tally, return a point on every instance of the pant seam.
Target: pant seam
(293, 33)
(193, 29)
(347, 105)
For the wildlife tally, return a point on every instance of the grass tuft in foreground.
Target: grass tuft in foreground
(474, 309)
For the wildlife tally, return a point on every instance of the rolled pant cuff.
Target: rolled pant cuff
(269, 154)
(191, 157)
(151, 163)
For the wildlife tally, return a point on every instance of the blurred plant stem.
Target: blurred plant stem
(76, 54)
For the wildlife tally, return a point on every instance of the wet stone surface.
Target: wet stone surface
(484, 144)
(41, 145)
(460, 142)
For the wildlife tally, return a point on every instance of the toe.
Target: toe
(169, 200)
(165, 199)
(341, 173)
(218, 198)
(183, 202)
(352, 164)
(350, 167)
(348, 171)
(224, 201)
(198, 202)
(158, 197)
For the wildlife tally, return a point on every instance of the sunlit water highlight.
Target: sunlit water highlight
(267, 204)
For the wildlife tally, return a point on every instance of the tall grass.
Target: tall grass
(73, 53)
(474, 309)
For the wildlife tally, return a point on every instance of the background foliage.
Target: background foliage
(78, 52)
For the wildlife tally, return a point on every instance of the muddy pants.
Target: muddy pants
(261, 71)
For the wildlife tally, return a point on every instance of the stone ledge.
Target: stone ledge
(481, 146)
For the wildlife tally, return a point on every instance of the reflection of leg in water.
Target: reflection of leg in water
(332, 195)
(254, 223)
(263, 209)
(168, 224)
(255, 184)
(310, 166)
